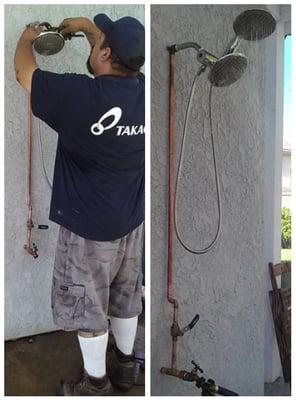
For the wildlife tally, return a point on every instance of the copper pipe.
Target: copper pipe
(171, 180)
(29, 175)
(181, 374)
(170, 296)
(29, 172)
(31, 249)
(176, 331)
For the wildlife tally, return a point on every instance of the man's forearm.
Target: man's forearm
(24, 62)
(90, 30)
(81, 24)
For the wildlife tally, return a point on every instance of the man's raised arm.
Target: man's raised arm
(24, 59)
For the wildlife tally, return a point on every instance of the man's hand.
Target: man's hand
(73, 25)
(30, 33)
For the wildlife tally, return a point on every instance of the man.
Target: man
(98, 192)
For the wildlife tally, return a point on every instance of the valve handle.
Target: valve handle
(42, 226)
(196, 366)
(190, 325)
(194, 321)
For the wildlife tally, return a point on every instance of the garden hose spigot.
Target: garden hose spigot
(208, 386)
(196, 368)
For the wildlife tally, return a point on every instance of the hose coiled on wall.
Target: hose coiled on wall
(180, 165)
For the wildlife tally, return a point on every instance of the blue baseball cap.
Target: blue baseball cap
(126, 37)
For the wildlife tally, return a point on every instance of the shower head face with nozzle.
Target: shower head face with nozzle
(49, 43)
(254, 25)
(228, 69)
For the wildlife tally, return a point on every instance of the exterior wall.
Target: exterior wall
(28, 281)
(228, 286)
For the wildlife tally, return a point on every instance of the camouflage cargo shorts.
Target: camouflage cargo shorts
(92, 280)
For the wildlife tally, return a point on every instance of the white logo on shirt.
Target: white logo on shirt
(98, 128)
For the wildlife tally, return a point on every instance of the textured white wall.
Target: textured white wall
(28, 281)
(227, 287)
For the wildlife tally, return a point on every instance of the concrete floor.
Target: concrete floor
(277, 388)
(35, 365)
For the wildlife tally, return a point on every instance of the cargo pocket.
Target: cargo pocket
(68, 300)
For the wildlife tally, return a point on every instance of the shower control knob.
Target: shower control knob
(42, 226)
(190, 325)
(194, 321)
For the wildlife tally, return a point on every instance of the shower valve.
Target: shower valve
(33, 250)
(177, 331)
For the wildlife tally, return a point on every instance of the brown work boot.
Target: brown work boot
(121, 369)
(86, 386)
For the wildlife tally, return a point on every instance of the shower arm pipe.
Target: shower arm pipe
(186, 45)
(203, 56)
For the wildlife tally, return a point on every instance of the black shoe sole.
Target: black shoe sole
(124, 387)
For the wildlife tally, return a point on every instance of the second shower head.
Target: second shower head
(252, 25)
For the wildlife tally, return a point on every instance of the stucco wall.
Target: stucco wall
(28, 281)
(227, 286)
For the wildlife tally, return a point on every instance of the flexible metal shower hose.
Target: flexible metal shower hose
(180, 164)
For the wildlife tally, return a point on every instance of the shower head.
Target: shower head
(251, 25)
(49, 43)
(224, 71)
(254, 25)
(228, 69)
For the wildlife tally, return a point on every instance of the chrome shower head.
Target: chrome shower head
(224, 71)
(251, 25)
(228, 69)
(254, 25)
(48, 43)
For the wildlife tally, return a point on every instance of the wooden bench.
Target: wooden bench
(280, 299)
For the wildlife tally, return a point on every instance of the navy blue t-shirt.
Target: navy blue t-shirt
(98, 185)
